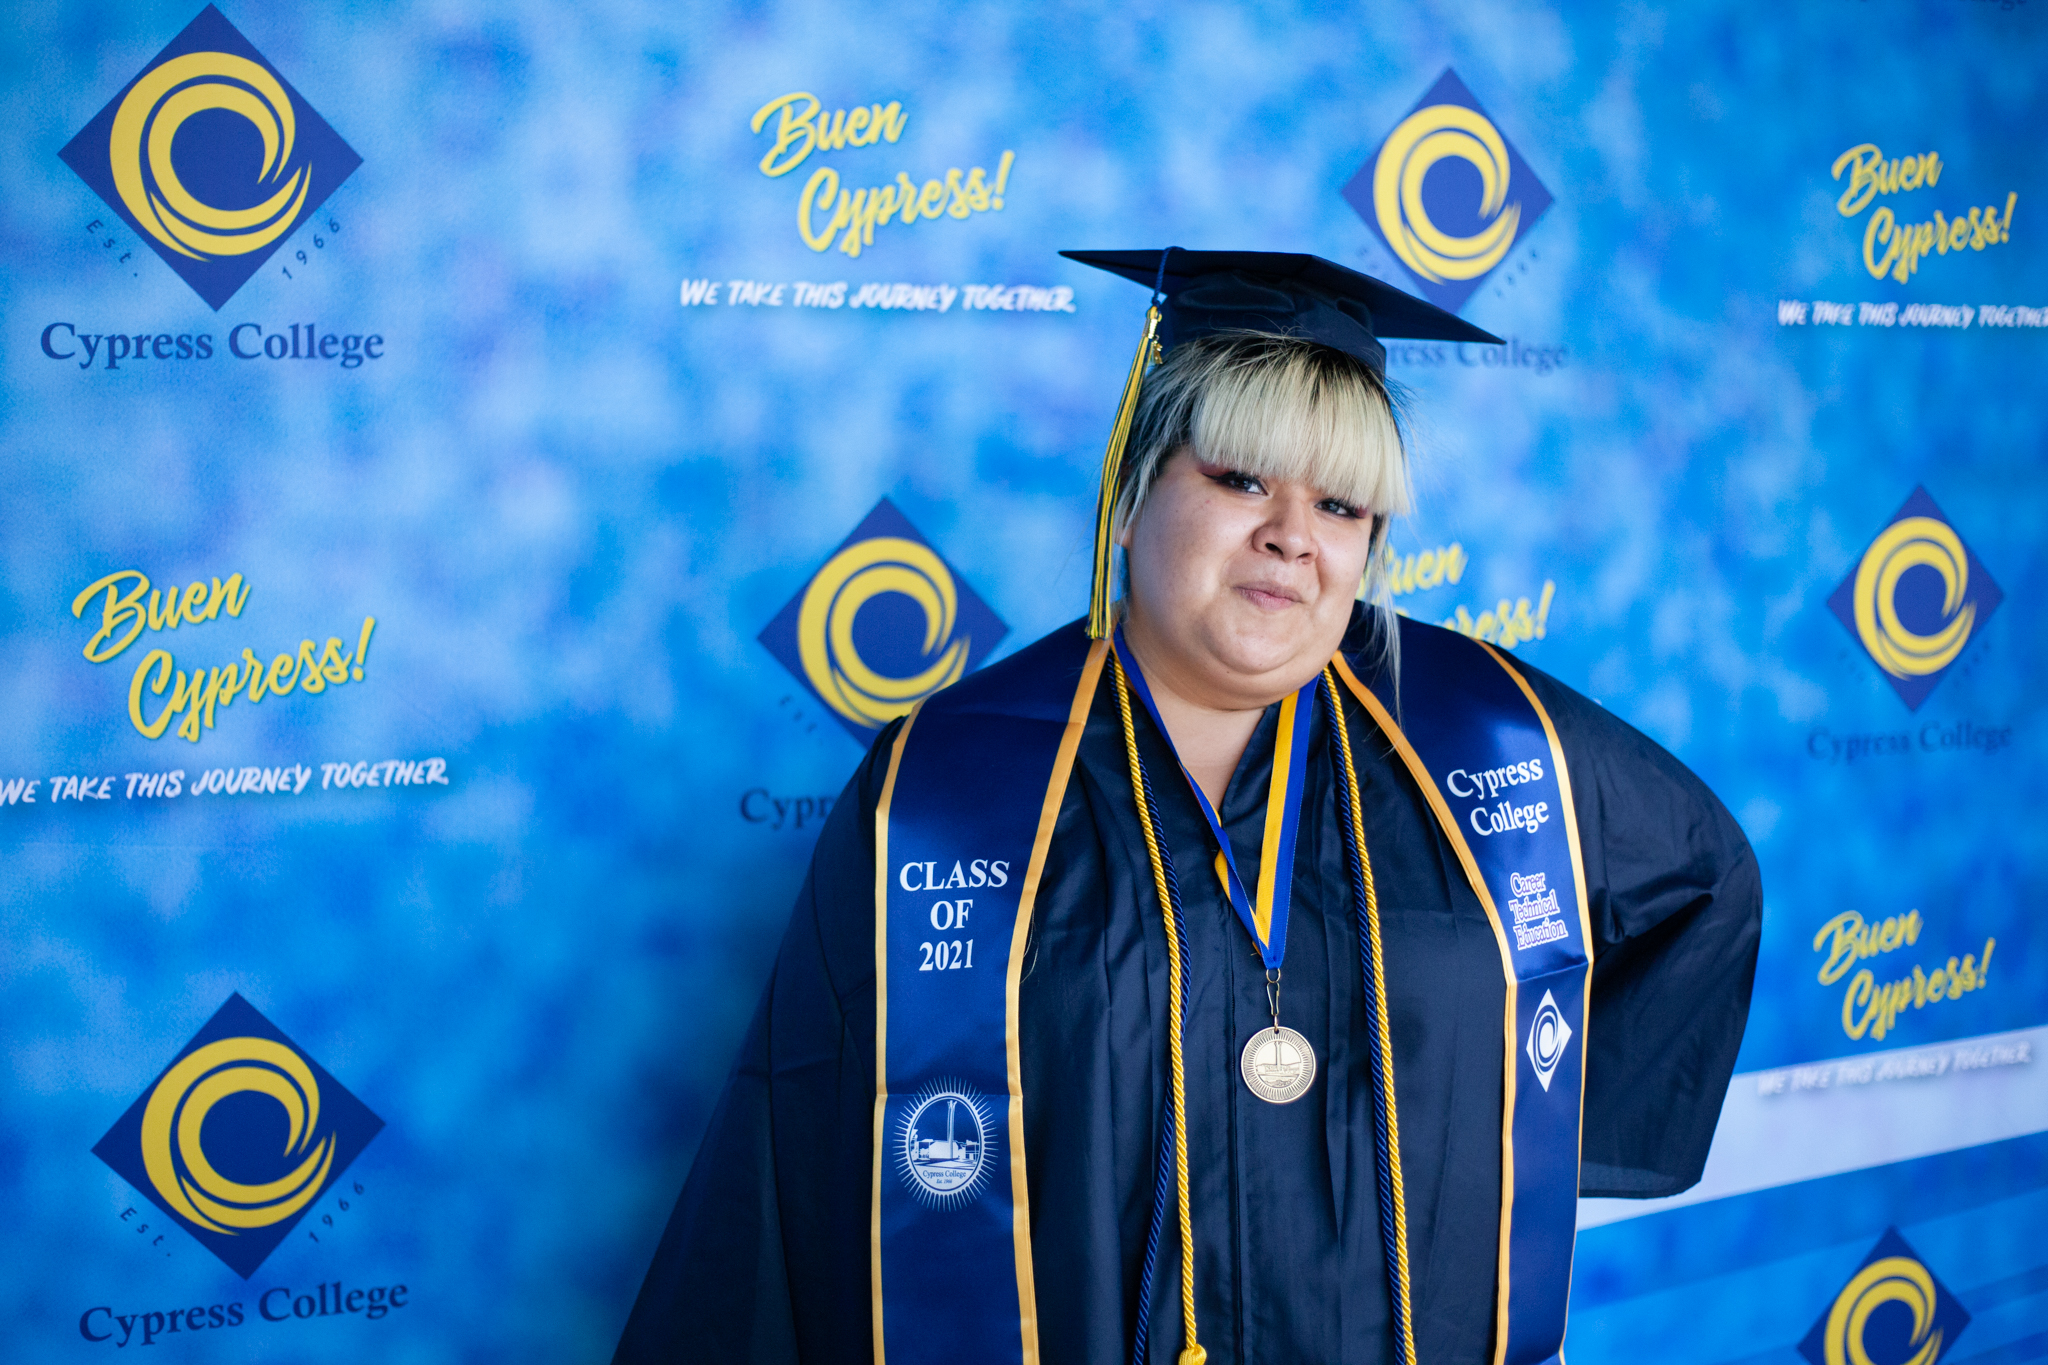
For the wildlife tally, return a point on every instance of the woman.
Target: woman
(1242, 976)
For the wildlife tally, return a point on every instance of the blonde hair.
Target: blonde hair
(1277, 407)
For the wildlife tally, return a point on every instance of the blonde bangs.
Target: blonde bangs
(1274, 407)
(1298, 417)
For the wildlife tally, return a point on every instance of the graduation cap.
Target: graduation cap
(1203, 293)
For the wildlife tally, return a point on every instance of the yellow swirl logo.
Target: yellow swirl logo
(1895, 1279)
(832, 660)
(211, 157)
(1913, 542)
(885, 623)
(1425, 138)
(239, 1136)
(148, 121)
(1916, 598)
(175, 1156)
(1447, 193)
(1891, 1312)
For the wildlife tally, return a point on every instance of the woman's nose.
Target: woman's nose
(1287, 532)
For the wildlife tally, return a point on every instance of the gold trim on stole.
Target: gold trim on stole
(882, 1020)
(1027, 901)
(1570, 815)
(1041, 845)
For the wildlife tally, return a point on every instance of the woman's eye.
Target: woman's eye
(1242, 482)
(1340, 508)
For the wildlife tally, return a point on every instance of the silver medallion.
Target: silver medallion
(1278, 1065)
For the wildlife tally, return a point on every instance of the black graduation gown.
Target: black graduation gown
(766, 1256)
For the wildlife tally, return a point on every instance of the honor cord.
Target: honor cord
(1387, 1126)
(1191, 1352)
(1393, 1206)
(1162, 1192)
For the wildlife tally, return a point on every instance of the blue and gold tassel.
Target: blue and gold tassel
(1100, 613)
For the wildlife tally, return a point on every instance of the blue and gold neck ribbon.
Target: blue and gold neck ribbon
(1264, 918)
(1488, 761)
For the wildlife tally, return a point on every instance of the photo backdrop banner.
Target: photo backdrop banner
(476, 478)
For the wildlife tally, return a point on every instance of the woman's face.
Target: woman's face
(1240, 588)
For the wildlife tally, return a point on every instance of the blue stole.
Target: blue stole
(966, 816)
(1482, 749)
(973, 790)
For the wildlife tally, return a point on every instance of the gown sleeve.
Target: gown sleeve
(765, 1257)
(1677, 911)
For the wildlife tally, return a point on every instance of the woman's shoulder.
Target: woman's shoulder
(1037, 682)
(1599, 745)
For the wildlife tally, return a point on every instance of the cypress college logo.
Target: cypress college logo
(1915, 598)
(946, 1145)
(240, 1133)
(884, 624)
(1892, 1309)
(1448, 194)
(211, 156)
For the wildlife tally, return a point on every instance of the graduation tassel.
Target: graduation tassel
(1100, 620)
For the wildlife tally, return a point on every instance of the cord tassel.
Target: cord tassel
(1102, 587)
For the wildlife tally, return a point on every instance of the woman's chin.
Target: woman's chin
(1271, 659)
(1258, 633)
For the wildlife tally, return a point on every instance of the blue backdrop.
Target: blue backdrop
(475, 477)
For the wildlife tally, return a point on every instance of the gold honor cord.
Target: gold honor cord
(1427, 785)
(1453, 835)
(1192, 1352)
(1383, 1060)
(1100, 617)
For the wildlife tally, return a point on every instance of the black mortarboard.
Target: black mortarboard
(1201, 293)
(1286, 292)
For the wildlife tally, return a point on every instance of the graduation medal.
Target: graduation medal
(1277, 1063)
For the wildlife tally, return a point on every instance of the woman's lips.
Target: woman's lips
(1272, 596)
